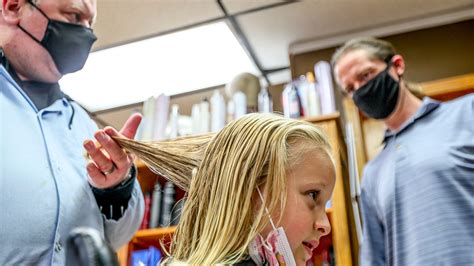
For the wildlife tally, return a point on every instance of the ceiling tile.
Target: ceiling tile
(270, 32)
(120, 21)
(280, 77)
(235, 6)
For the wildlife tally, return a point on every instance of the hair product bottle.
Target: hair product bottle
(168, 203)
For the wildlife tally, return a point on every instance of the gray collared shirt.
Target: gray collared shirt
(417, 194)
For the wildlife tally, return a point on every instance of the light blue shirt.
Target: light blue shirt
(44, 192)
(418, 193)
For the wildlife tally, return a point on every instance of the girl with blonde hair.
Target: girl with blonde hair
(256, 191)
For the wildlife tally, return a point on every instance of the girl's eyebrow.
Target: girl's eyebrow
(316, 184)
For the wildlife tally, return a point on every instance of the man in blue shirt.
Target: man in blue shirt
(417, 194)
(46, 189)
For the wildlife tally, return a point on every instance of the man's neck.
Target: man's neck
(406, 108)
(27, 71)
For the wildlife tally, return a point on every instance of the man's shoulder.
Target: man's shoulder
(371, 169)
(460, 102)
(461, 108)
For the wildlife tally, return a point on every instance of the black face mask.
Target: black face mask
(68, 44)
(378, 97)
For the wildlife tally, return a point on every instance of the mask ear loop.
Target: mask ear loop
(389, 62)
(266, 210)
(39, 9)
(267, 246)
(29, 34)
(42, 13)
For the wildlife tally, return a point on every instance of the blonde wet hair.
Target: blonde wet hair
(221, 173)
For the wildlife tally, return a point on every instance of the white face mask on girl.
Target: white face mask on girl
(275, 250)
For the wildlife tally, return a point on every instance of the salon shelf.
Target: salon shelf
(151, 235)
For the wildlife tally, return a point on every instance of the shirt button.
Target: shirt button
(58, 247)
(398, 146)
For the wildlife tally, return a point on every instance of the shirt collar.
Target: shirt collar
(42, 94)
(55, 99)
(427, 106)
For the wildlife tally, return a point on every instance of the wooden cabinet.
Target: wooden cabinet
(344, 246)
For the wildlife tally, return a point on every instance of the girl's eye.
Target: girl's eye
(313, 195)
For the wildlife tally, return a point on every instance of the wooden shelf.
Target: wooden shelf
(153, 235)
(449, 88)
(140, 164)
(321, 118)
(329, 211)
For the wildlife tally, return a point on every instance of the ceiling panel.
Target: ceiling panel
(235, 6)
(270, 32)
(120, 21)
(280, 77)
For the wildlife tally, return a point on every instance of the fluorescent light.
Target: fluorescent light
(171, 64)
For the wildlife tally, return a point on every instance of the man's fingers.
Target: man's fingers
(95, 154)
(97, 178)
(130, 127)
(116, 153)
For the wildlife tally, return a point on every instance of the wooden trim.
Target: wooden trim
(353, 116)
(321, 118)
(153, 234)
(341, 232)
(448, 85)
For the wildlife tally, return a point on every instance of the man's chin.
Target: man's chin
(53, 77)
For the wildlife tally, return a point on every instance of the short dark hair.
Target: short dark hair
(376, 49)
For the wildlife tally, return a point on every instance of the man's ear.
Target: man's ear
(11, 11)
(399, 64)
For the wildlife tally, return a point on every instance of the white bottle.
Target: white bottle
(218, 111)
(174, 116)
(196, 119)
(204, 116)
(230, 111)
(265, 104)
(322, 70)
(313, 96)
(302, 88)
(240, 104)
(291, 105)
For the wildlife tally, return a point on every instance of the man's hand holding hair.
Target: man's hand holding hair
(109, 165)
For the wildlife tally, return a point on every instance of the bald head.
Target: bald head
(23, 24)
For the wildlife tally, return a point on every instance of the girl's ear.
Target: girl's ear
(11, 11)
(256, 200)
